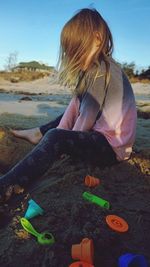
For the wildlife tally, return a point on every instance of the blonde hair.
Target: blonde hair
(76, 43)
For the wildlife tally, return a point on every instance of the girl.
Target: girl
(100, 120)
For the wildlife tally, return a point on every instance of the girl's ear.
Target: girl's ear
(97, 38)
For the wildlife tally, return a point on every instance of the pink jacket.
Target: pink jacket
(115, 118)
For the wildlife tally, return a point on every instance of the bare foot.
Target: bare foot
(32, 135)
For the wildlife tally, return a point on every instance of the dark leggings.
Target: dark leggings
(50, 125)
(91, 146)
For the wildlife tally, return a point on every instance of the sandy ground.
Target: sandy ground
(46, 86)
(59, 192)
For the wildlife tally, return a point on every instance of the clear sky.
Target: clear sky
(32, 28)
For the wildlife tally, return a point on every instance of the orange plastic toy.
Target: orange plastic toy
(91, 181)
(81, 264)
(116, 223)
(83, 251)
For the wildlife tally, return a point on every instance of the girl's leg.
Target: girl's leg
(84, 145)
(34, 135)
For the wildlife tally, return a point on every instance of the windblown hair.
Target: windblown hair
(76, 43)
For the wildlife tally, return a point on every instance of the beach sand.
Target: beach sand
(59, 192)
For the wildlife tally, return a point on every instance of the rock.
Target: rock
(25, 98)
(143, 115)
(14, 79)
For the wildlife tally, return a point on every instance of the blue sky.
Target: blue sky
(32, 28)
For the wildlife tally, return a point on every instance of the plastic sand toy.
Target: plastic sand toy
(129, 260)
(96, 200)
(44, 238)
(33, 210)
(91, 181)
(83, 251)
(81, 264)
(117, 223)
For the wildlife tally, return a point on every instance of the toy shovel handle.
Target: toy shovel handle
(28, 227)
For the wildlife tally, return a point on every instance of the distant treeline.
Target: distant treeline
(130, 70)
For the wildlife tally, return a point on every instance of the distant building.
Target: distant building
(33, 66)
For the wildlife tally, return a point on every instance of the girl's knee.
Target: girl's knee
(56, 140)
(54, 134)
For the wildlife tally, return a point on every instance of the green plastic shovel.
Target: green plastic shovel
(45, 238)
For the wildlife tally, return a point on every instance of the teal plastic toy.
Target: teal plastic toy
(45, 238)
(96, 200)
(33, 210)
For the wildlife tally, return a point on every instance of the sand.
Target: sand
(59, 192)
(46, 85)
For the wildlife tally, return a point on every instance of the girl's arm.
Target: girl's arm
(70, 116)
(88, 114)
(91, 105)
